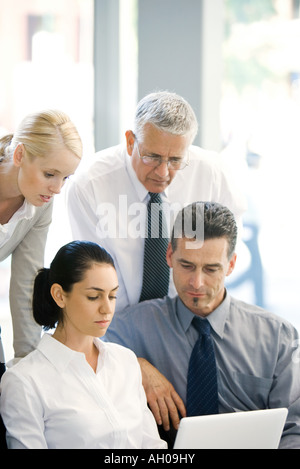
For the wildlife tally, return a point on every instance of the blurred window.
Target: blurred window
(260, 115)
(46, 55)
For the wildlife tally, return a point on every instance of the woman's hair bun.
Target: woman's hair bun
(45, 310)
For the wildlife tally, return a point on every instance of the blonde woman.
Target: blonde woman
(35, 162)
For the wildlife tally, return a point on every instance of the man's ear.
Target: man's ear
(18, 155)
(57, 294)
(169, 256)
(231, 264)
(130, 139)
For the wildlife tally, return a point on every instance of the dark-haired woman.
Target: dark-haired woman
(76, 391)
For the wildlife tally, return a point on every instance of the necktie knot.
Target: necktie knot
(155, 198)
(202, 326)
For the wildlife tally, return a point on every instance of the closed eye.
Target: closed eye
(212, 268)
(95, 298)
(175, 159)
(186, 265)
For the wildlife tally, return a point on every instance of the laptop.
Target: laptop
(257, 429)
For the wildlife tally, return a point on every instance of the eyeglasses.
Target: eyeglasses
(175, 162)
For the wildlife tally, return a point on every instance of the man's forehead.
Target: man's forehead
(155, 137)
(194, 246)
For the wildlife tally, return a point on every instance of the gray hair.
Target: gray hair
(168, 112)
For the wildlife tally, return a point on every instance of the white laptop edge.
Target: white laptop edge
(257, 429)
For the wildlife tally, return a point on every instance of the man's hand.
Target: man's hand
(162, 398)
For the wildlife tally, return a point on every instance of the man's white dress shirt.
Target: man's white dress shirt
(52, 399)
(108, 205)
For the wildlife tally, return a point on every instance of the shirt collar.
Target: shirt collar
(59, 354)
(25, 212)
(185, 315)
(139, 187)
(217, 318)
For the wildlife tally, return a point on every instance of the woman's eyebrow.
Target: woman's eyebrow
(101, 289)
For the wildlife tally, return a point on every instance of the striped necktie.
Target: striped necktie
(202, 386)
(156, 271)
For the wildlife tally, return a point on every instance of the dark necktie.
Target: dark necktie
(202, 387)
(156, 271)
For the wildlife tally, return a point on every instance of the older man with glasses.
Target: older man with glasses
(130, 195)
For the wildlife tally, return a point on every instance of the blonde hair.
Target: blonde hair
(42, 133)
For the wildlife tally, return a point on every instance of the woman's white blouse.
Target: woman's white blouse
(26, 212)
(53, 399)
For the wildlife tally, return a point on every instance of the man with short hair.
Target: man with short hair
(110, 203)
(255, 354)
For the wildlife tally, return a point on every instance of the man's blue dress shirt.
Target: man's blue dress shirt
(257, 353)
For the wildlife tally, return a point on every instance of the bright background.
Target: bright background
(49, 55)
